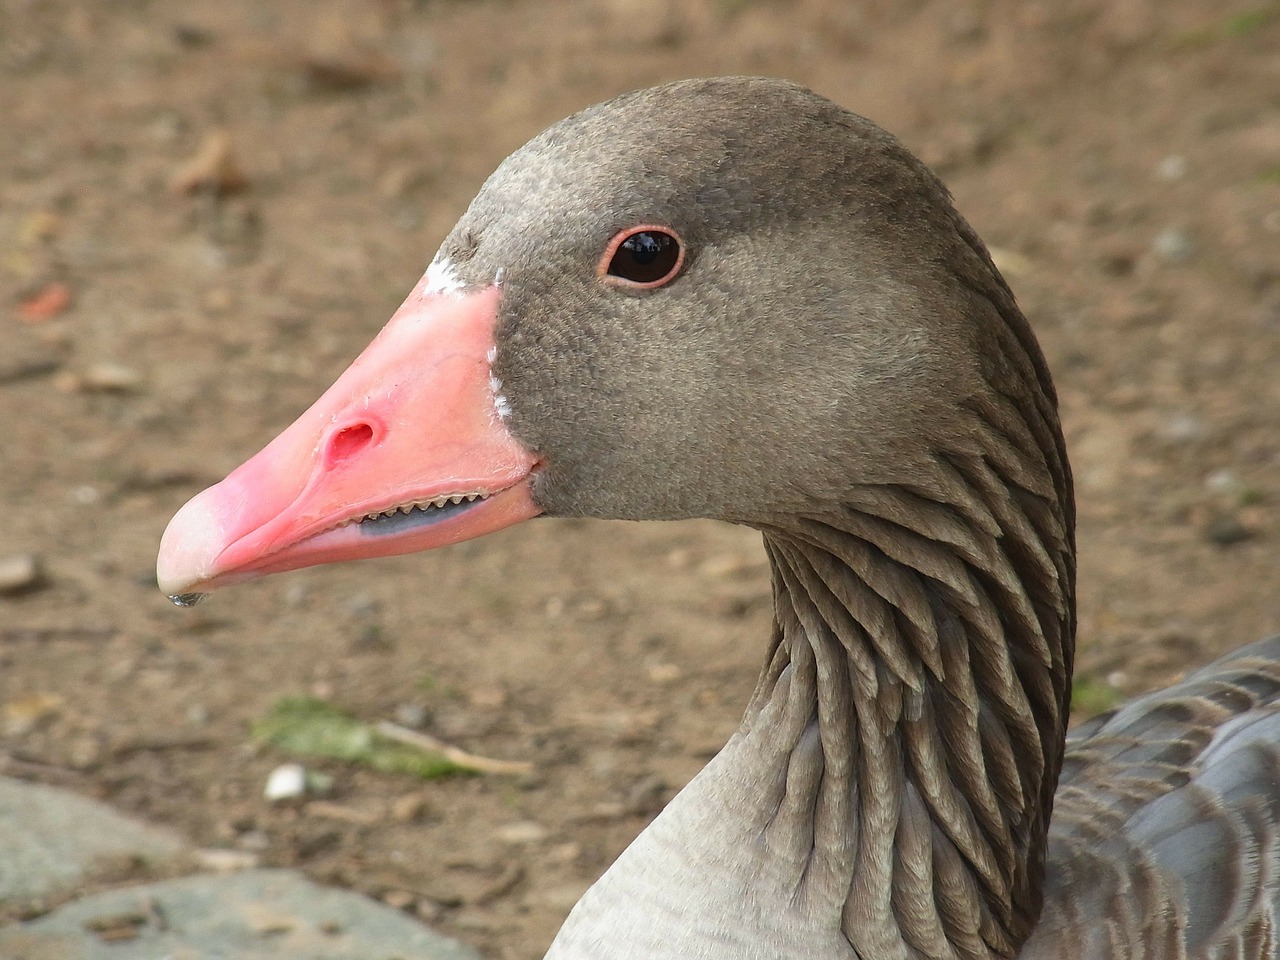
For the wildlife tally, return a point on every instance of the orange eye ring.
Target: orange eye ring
(642, 257)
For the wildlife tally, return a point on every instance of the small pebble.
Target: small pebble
(399, 899)
(266, 922)
(1172, 167)
(521, 832)
(165, 129)
(1226, 530)
(117, 927)
(226, 861)
(213, 169)
(86, 495)
(731, 565)
(286, 782)
(108, 377)
(563, 853)
(198, 715)
(1172, 245)
(428, 910)
(679, 558)
(363, 605)
(218, 300)
(710, 698)
(295, 595)
(647, 795)
(411, 715)
(664, 673)
(1118, 679)
(1221, 481)
(85, 752)
(20, 573)
(24, 713)
(408, 808)
(1182, 428)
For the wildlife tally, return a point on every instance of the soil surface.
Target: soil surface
(163, 320)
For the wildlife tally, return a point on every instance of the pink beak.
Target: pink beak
(406, 451)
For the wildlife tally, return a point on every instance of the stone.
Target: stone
(286, 782)
(52, 841)
(1172, 245)
(521, 832)
(254, 915)
(20, 573)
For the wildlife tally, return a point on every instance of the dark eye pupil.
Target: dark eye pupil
(645, 247)
(645, 257)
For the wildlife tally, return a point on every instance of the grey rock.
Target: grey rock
(255, 915)
(52, 840)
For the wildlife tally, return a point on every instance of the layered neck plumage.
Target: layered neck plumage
(929, 631)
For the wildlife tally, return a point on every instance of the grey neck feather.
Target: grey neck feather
(928, 632)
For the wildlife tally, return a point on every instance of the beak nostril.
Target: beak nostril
(349, 441)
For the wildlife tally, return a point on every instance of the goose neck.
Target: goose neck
(920, 671)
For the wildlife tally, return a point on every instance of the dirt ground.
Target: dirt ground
(1122, 158)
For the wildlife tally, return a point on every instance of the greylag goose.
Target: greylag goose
(733, 299)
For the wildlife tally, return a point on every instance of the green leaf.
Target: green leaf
(311, 727)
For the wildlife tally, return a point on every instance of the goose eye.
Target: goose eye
(643, 257)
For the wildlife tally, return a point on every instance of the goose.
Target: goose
(731, 298)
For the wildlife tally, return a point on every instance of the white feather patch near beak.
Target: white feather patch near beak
(442, 279)
(501, 405)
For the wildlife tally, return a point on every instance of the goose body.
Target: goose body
(733, 299)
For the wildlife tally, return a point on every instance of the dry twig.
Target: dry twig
(424, 741)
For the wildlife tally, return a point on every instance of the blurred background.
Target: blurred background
(207, 210)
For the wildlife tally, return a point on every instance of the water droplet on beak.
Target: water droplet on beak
(186, 599)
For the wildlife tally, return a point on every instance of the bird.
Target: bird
(732, 298)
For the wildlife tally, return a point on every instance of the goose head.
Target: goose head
(718, 298)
